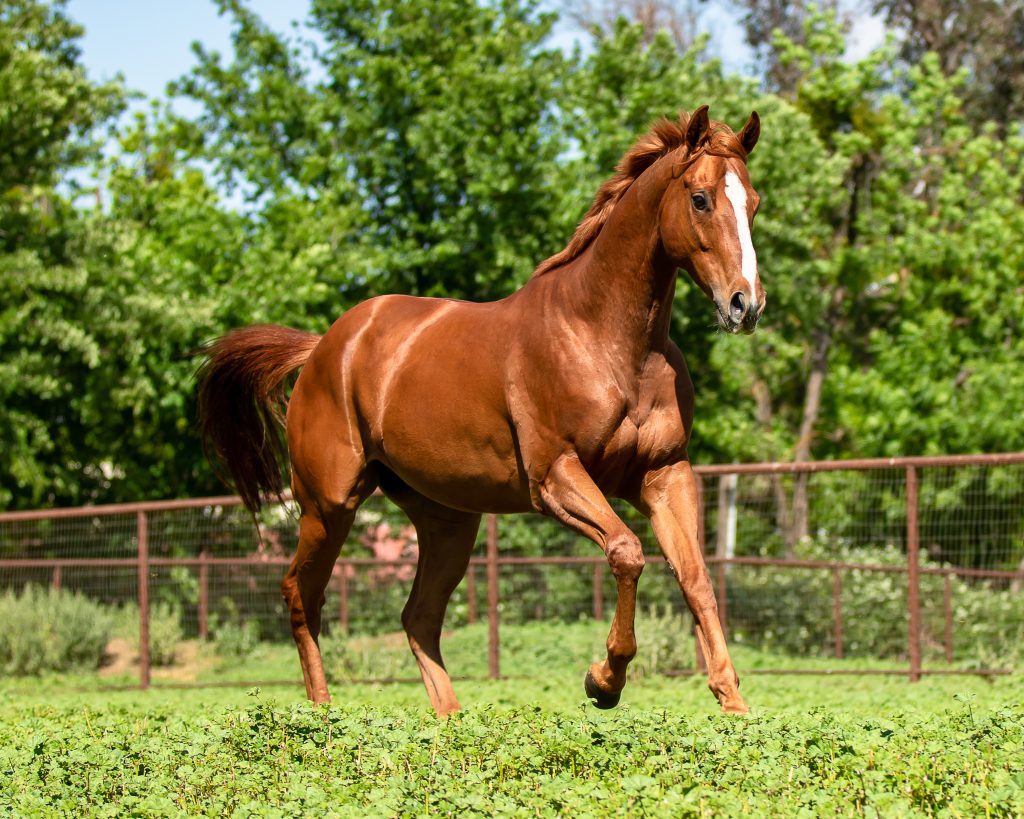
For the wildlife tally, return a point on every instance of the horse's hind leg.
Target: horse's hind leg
(446, 538)
(322, 532)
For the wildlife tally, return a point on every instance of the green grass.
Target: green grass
(530, 745)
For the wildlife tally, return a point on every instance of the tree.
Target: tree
(679, 19)
(49, 110)
(388, 158)
(50, 120)
(986, 37)
(764, 20)
(432, 129)
(886, 281)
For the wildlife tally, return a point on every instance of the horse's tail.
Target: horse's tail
(242, 387)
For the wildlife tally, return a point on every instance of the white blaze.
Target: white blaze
(737, 195)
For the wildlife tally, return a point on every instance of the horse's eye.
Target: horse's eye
(700, 201)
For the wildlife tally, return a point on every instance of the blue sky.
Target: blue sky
(149, 42)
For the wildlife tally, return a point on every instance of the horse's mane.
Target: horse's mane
(664, 136)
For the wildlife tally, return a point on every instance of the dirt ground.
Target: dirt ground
(122, 658)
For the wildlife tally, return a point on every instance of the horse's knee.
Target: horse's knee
(626, 556)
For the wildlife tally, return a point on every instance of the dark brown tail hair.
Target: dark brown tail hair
(242, 387)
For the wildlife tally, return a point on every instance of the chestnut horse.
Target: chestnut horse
(553, 399)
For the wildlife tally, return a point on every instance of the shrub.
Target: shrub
(791, 610)
(165, 630)
(165, 633)
(47, 629)
(236, 640)
(665, 642)
(348, 659)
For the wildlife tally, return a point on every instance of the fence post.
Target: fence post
(471, 593)
(343, 597)
(725, 546)
(947, 610)
(204, 597)
(702, 665)
(700, 510)
(726, 535)
(599, 590)
(493, 652)
(723, 601)
(837, 612)
(913, 579)
(142, 532)
(56, 577)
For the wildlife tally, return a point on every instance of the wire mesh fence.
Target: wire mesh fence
(911, 566)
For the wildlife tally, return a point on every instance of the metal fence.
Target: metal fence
(917, 562)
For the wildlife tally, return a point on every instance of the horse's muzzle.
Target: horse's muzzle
(742, 316)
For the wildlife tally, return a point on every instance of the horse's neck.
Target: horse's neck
(623, 283)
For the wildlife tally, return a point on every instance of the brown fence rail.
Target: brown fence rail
(791, 548)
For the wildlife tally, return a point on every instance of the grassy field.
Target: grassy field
(530, 745)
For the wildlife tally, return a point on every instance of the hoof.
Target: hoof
(602, 699)
(736, 706)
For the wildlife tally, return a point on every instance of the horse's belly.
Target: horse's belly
(443, 430)
(455, 463)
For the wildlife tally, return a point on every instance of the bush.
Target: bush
(791, 610)
(347, 659)
(47, 629)
(236, 640)
(165, 633)
(665, 642)
(165, 630)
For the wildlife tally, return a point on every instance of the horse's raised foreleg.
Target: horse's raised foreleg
(303, 589)
(570, 495)
(669, 496)
(446, 539)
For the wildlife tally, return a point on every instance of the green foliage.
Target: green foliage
(882, 747)
(528, 649)
(420, 163)
(48, 106)
(47, 630)
(235, 640)
(791, 612)
(165, 630)
(384, 157)
(165, 633)
(665, 642)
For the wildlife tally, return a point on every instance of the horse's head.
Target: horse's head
(706, 215)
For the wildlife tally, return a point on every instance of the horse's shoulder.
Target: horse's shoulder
(665, 372)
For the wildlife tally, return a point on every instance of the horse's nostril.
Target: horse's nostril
(737, 305)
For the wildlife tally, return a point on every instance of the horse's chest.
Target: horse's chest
(623, 443)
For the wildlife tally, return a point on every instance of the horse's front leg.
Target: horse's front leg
(569, 494)
(669, 497)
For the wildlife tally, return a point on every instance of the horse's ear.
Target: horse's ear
(697, 128)
(751, 131)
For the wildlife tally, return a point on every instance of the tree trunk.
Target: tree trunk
(763, 400)
(802, 452)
